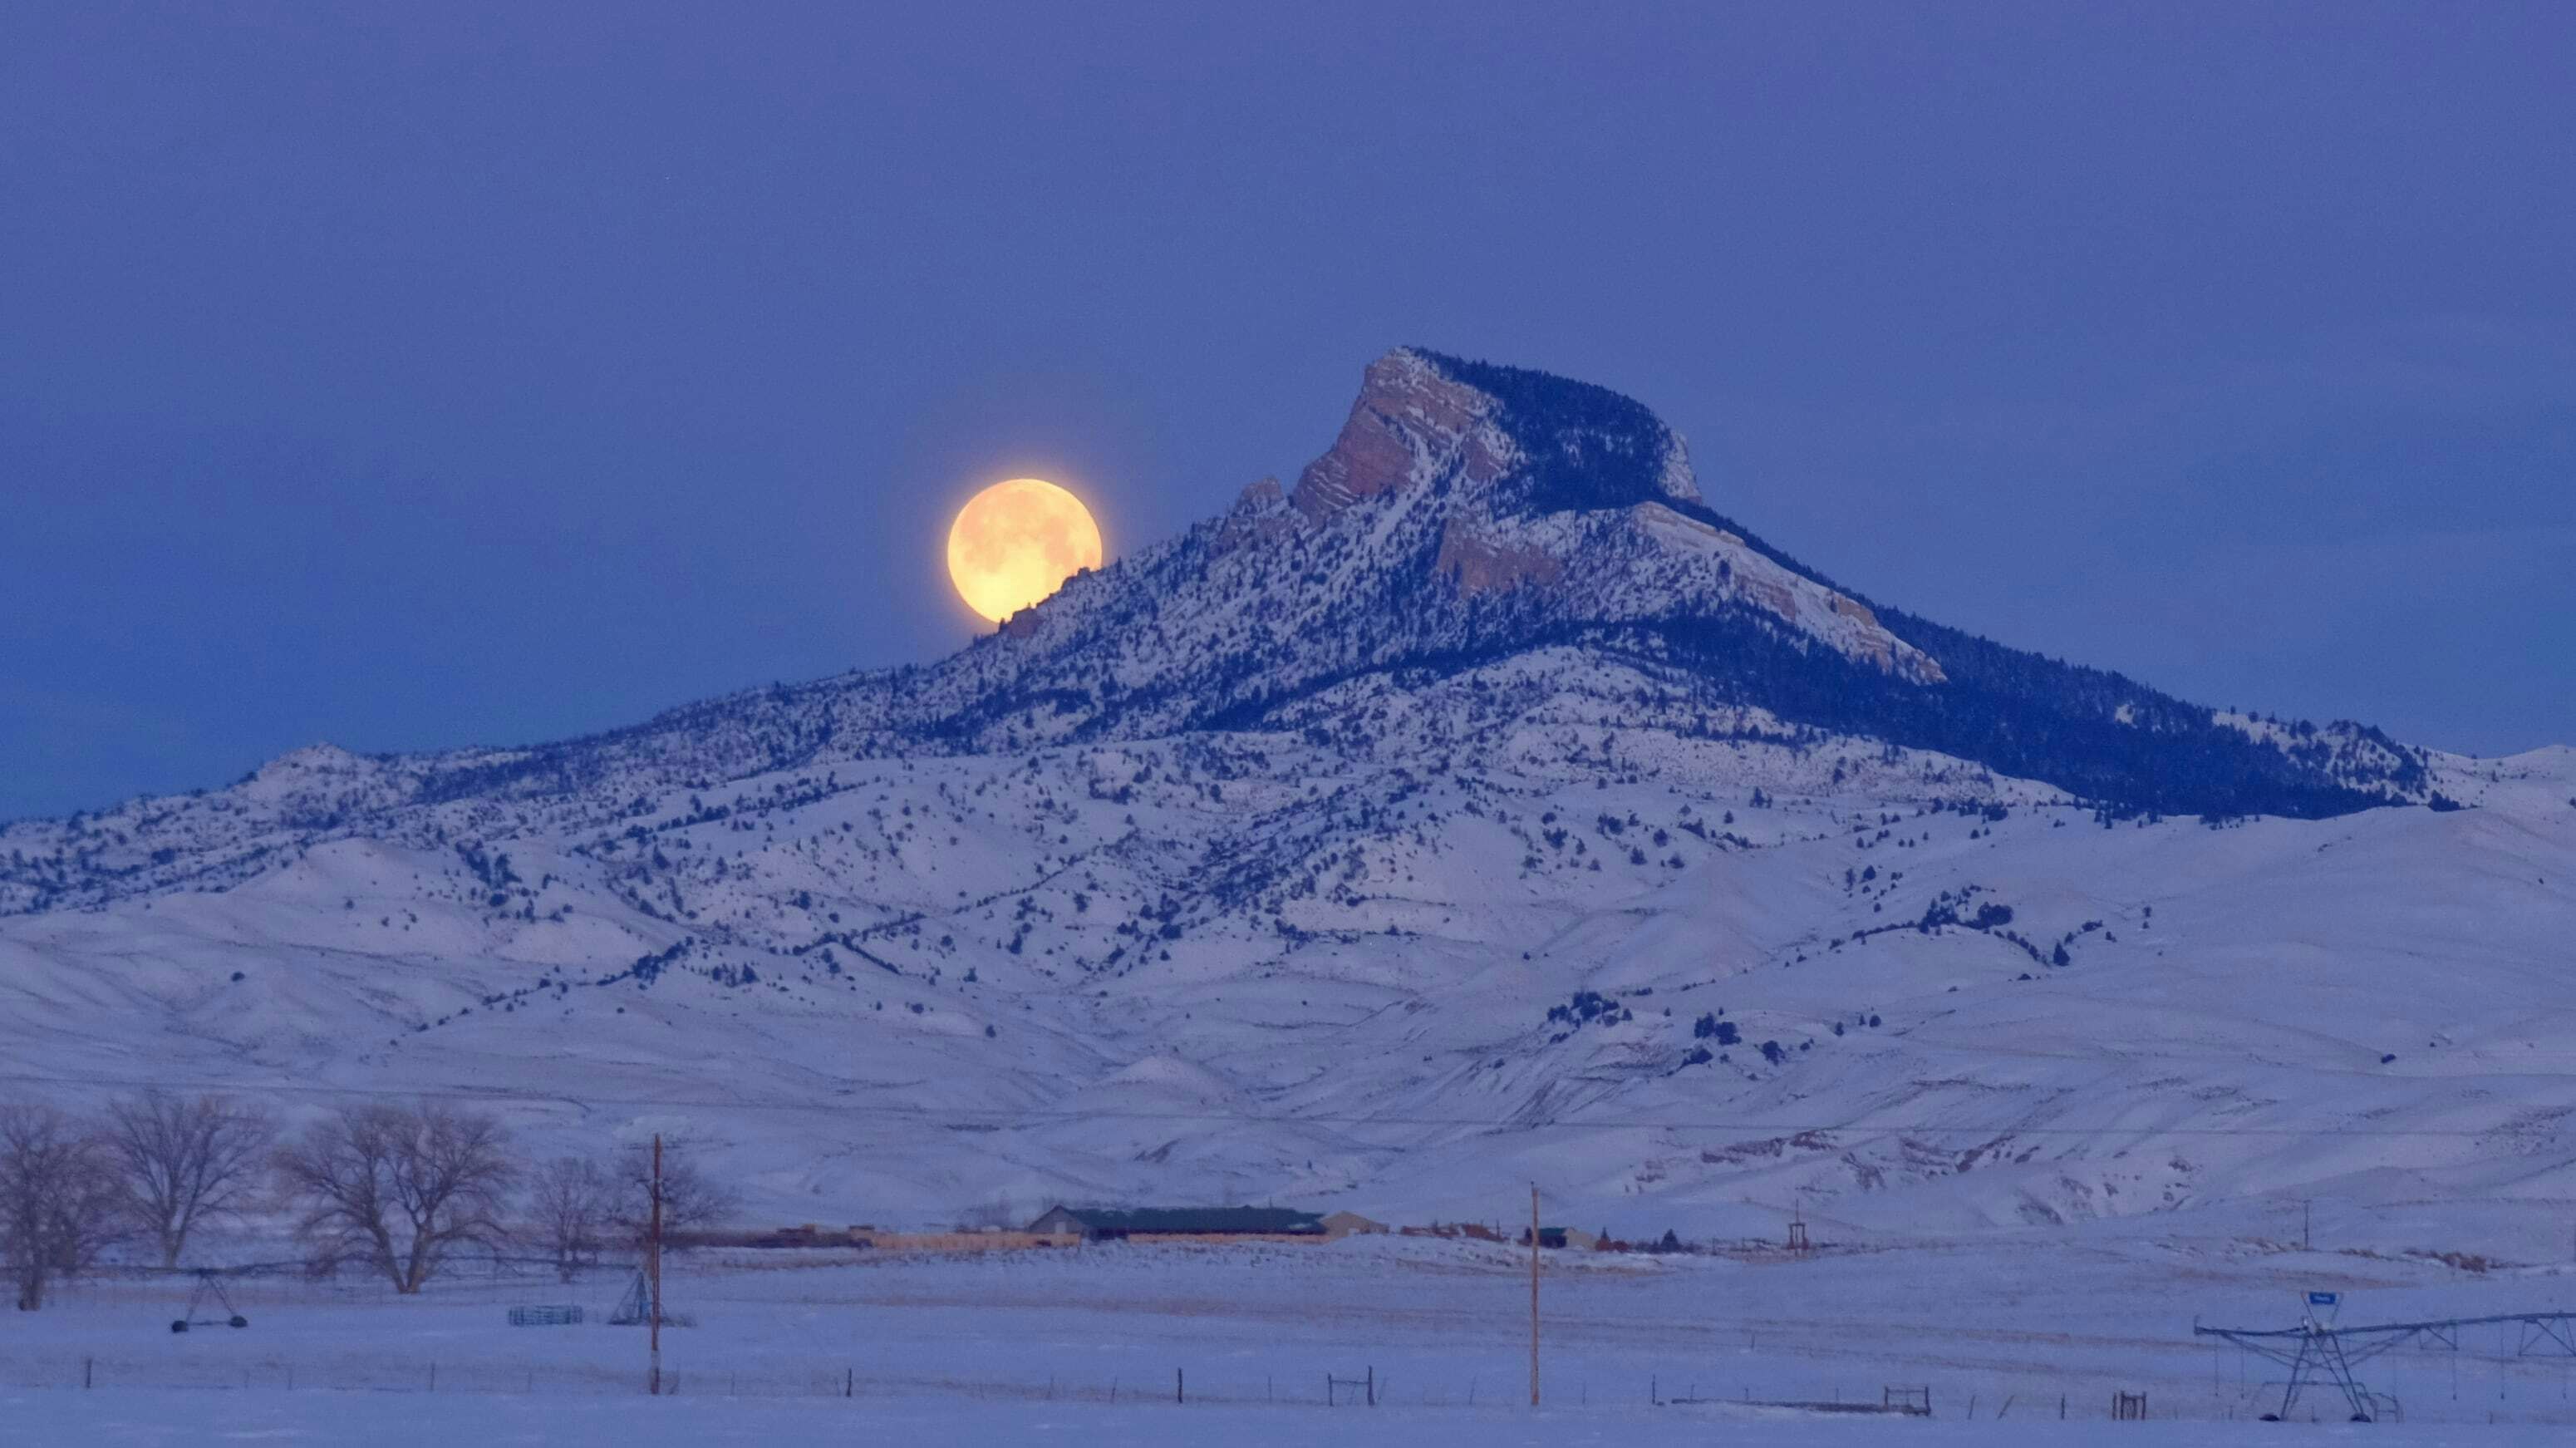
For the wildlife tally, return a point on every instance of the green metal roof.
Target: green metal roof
(1196, 1219)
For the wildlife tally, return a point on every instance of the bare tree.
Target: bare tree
(181, 1162)
(1000, 1214)
(571, 1203)
(399, 1187)
(58, 1199)
(692, 1200)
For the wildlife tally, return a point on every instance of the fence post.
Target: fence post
(1372, 1385)
(85, 1372)
(1180, 1387)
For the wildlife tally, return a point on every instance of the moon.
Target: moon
(1015, 543)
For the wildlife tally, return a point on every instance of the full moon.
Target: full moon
(1015, 543)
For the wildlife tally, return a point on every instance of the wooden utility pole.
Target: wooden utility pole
(653, 1267)
(1533, 1294)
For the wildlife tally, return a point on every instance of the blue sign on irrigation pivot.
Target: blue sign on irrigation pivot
(2324, 1299)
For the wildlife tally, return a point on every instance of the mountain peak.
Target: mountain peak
(1527, 442)
(1580, 445)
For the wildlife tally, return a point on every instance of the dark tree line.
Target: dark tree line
(397, 1190)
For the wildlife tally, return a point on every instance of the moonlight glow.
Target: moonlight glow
(1015, 543)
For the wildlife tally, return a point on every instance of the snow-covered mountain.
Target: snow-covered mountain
(1485, 808)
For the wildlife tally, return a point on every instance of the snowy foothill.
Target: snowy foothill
(1986, 1005)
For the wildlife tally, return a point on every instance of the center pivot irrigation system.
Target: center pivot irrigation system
(2318, 1349)
(210, 1285)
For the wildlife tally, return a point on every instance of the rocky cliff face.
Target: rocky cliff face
(1411, 420)
(1572, 494)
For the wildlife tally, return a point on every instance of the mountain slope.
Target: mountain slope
(1467, 513)
(1451, 793)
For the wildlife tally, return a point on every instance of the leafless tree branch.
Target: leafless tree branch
(58, 1198)
(400, 1188)
(181, 1162)
(570, 1206)
(692, 1199)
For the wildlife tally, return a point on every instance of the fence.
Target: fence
(476, 1278)
(1351, 1390)
(110, 1372)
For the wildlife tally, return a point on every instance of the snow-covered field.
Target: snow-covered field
(1094, 1346)
(154, 1419)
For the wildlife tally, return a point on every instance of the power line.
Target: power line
(1001, 1119)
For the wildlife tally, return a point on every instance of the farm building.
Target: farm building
(1351, 1224)
(1181, 1224)
(1558, 1237)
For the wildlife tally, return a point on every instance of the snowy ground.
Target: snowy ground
(160, 1418)
(1083, 1348)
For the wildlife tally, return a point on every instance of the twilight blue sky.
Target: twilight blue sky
(428, 375)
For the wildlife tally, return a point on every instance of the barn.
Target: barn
(1352, 1224)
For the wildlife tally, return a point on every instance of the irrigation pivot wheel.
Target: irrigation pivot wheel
(209, 1284)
